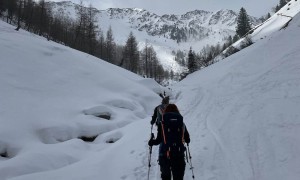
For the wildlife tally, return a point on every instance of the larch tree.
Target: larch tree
(11, 8)
(110, 46)
(20, 8)
(80, 26)
(101, 45)
(149, 61)
(92, 29)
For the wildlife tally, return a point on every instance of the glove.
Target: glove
(150, 142)
(187, 140)
(152, 120)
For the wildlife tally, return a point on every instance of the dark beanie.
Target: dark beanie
(165, 100)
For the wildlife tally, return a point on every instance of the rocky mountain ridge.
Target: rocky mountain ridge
(193, 25)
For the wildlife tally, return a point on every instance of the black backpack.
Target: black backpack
(173, 134)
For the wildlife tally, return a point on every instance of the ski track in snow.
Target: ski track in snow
(243, 118)
(222, 162)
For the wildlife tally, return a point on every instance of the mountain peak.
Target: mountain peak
(224, 17)
(138, 9)
(168, 32)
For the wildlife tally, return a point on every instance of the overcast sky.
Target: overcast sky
(254, 7)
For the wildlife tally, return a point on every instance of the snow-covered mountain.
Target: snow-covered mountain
(194, 25)
(167, 32)
(242, 113)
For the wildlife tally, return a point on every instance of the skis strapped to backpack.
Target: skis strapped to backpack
(173, 134)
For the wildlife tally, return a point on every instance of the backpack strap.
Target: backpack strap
(164, 136)
(163, 132)
(161, 122)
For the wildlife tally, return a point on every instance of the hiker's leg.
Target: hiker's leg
(165, 168)
(178, 167)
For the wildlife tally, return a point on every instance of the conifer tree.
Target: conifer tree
(229, 41)
(11, 7)
(235, 38)
(20, 4)
(28, 13)
(277, 8)
(146, 58)
(110, 46)
(131, 54)
(262, 19)
(92, 30)
(192, 66)
(282, 3)
(43, 17)
(2, 7)
(171, 74)
(101, 45)
(80, 27)
(149, 62)
(243, 23)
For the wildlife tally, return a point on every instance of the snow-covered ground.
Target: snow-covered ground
(50, 96)
(242, 113)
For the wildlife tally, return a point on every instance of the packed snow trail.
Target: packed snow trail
(243, 113)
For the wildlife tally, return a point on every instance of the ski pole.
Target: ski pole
(149, 160)
(190, 163)
(150, 153)
(187, 159)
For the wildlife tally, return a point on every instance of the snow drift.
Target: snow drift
(67, 115)
(53, 98)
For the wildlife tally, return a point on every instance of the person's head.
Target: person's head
(171, 108)
(165, 100)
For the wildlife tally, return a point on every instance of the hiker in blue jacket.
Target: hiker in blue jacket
(171, 136)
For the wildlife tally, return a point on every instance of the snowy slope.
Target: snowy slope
(243, 112)
(277, 21)
(50, 96)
